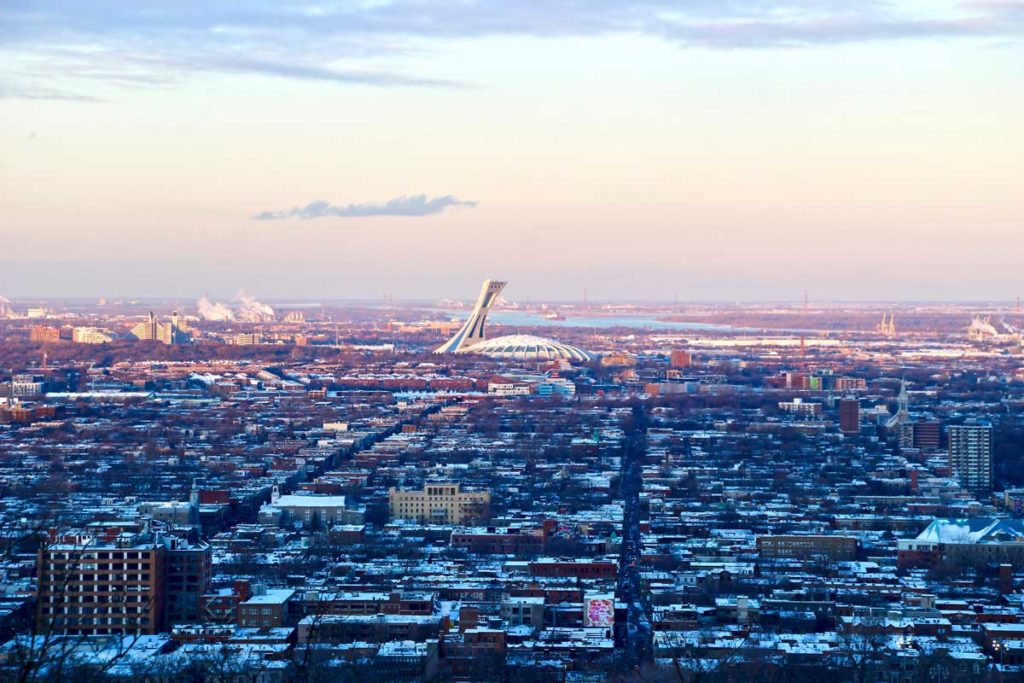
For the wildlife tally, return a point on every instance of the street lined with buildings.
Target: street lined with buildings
(623, 503)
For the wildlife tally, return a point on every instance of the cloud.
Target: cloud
(29, 92)
(411, 205)
(319, 73)
(822, 31)
(55, 49)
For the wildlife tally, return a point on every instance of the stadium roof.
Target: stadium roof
(528, 347)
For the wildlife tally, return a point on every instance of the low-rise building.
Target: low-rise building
(439, 503)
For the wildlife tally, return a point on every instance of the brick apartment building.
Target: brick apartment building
(501, 541)
(832, 548)
(123, 582)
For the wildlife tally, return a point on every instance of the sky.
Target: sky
(737, 150)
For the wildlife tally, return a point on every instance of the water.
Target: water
(527, 319)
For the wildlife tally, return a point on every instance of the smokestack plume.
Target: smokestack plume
(246, 308)
(214, 311)
(251, 309)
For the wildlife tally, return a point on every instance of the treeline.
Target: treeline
(20, 355)
(1008, 452)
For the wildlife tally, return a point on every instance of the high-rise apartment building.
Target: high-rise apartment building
(923, 434)
(122, 582)
(44, 334)
(970, 455)
(849, 415)
(92, 587)
(188, 574)
(680, 359)
(174, 332)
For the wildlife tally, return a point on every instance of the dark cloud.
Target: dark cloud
(148, 43)
(412, 205)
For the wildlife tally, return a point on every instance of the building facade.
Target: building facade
(91, 587)
(849, 416)
(809, 547)
(91, 335)
(126, 582)
(173, 332)
(970, 456)
(439, 504)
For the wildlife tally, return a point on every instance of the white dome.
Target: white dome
(527, 347)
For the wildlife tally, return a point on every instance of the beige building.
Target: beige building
(439, 503)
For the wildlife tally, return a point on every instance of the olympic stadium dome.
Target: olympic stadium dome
(528, 347)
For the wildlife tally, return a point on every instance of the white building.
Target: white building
(970, 455)
(91, 335)
(308, 510)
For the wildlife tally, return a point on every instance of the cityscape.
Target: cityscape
(492, 490)
(511, 341)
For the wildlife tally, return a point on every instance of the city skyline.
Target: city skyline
(706, 151)
(739, 396)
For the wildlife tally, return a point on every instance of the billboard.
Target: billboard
(599, 610)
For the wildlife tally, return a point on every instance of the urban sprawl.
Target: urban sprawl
(584, 491)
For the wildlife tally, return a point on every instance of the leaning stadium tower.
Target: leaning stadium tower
(472, 332)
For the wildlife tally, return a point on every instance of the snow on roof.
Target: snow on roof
(295, 501)
(973, 530)
(272, 596)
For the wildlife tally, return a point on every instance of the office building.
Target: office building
(24, 385)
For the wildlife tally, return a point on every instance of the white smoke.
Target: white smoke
(212, 310)
(5, 307)
(244, 308)
(981, 328)
(251, 309)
